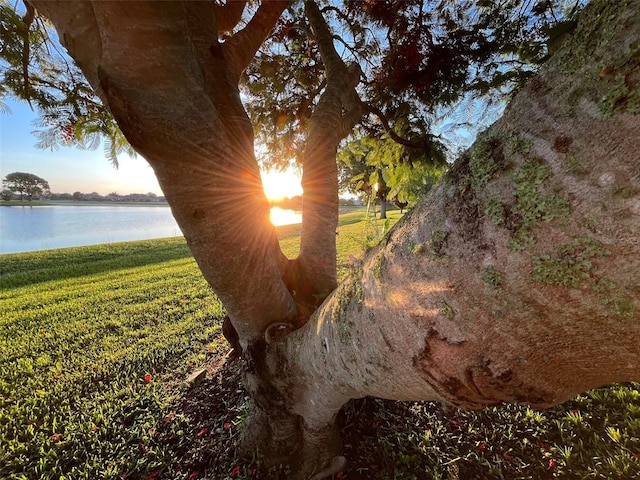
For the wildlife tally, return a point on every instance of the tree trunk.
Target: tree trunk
(383, 207)
(337, 112)
(514, 280)
(382, 191)
(173, 88)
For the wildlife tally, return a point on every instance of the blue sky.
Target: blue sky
(68, 169)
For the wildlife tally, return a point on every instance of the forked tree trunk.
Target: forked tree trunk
(515, 279)
(337, 112)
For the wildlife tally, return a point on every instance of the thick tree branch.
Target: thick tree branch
(515, 279)
(242, 47)
(333, 64)
(27, 20)
(337, 111)
(229, 14)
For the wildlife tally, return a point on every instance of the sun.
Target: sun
(281, 184)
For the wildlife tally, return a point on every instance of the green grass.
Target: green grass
(77, 345)
(95, 343)
(355, 234)
(66, 263)
(594, 436)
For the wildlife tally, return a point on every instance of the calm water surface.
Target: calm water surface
(24, 229)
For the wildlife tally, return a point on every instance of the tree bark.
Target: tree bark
(515, 279)
(383, 208)
(382, 192)
(337, 112)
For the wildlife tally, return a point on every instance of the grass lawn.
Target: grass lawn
(95, 344)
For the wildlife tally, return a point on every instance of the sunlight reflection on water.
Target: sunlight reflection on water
(284, 217)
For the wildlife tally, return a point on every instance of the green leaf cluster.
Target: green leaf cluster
(34, 67)
(534, 204)
(386, 169)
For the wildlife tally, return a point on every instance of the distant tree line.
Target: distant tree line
(8, 195)
(295, 203)
(21, 186)
(112, 197)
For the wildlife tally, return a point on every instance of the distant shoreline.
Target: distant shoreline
(92, 203)
(77, 203)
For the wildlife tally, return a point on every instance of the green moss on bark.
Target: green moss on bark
(494, 209)
(593, 30)
(574, 167)
(348, 293)
(493, 277)
(571, 264)
(533, 204)
(446, 310)
(437, 244)
(487, 159)
(377, 269)
(615, 297)
(623, 77)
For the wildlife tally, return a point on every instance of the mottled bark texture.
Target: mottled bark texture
(514, 280)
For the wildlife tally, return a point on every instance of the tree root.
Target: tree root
(336, 464)
(281, 439)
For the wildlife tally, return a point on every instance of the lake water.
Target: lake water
(24, 229)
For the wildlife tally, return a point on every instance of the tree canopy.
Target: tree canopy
(36, 68)
(426, 69)
(422, 64)
(26, 183)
